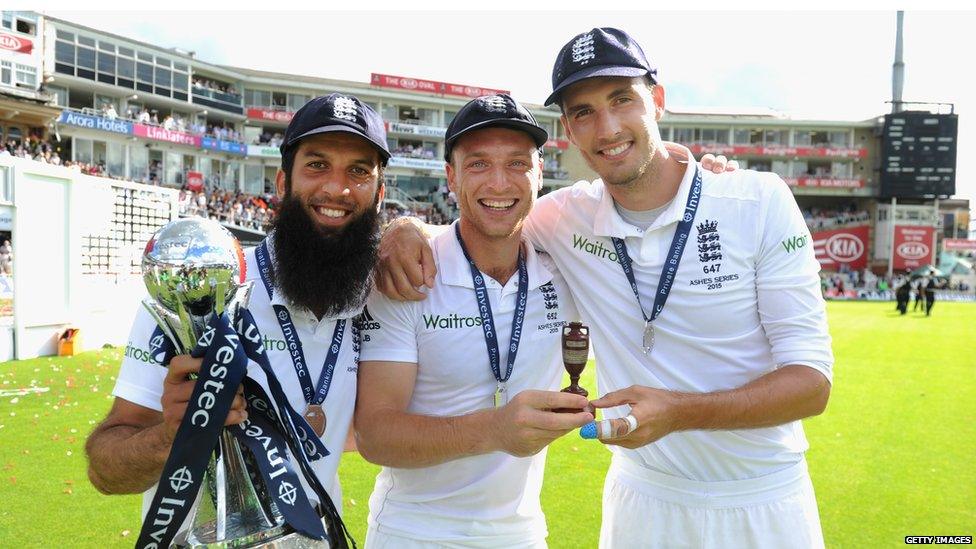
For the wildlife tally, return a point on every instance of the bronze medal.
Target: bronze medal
(315, 416)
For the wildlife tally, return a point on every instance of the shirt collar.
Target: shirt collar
(608, 222)
(453, 269)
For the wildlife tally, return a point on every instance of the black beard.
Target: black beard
(325, 271)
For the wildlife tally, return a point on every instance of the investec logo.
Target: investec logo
(596, 248)
(451, 321)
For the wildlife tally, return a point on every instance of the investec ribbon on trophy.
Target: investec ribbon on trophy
(194, 271)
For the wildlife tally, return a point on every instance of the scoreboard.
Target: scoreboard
(918, 155)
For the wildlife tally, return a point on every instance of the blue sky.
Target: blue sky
(824, 64)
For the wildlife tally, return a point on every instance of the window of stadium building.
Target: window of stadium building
(60, 95)
(138, 163)
(694, 135)
(418, 187)
(819, 138)
(253, 179)
(842, 169)
(118, 65)
(82, 150)
(115, 159)
(412, 148)
(747, 136)
(22, 22)
(296, 101)
(257, 98)
(714, 136)
(776, 137)
(760, 165)
(413, 115)
(683, 135)
(839, 139)
(173, 173)
(818, 168)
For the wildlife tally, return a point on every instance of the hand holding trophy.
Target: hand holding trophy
(576, 351)
(194, 271)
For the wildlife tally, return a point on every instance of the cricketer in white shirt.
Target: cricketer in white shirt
(486, 500)
(140, 378)
(746, 300)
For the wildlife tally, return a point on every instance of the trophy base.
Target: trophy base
(279, 537)
(576, 391)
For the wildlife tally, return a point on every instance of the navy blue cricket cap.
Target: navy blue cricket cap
(337, 112)
(598, 52)
(487, 111)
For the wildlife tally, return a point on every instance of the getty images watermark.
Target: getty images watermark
(939, 540)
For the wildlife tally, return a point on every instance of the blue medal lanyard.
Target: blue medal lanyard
(681, 234)
(313, 395)
(488, 322)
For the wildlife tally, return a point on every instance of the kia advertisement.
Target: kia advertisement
(842, 247)
(194, 181)
(913, 247)
(15, 43)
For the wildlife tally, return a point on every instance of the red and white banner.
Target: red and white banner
(429, 86)
(957, 244)
(270, 115)
(194, 181)
(913, 247)
(842, 247)
(775, 150)
(561, 144)
(15, 43)
(824, 183)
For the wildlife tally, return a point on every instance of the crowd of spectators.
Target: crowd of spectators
(864, 284)
(243, 210)
(414, 152)
(269, 139)
(821, 219)
(33, 148)
(214, 86)
(428, 213)
(174, 122)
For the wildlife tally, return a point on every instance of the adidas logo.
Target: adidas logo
(367, 322)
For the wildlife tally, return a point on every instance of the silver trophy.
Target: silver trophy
(194, 268)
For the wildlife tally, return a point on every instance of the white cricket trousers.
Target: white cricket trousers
(375, 539)
(644, 508)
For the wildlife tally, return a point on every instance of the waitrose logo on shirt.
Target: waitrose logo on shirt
(596, 248)
(450, 322)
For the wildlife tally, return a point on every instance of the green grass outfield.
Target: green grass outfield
(894, 455)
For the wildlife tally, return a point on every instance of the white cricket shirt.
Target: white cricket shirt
(140, 378)
(486, 500)
(746, 299)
